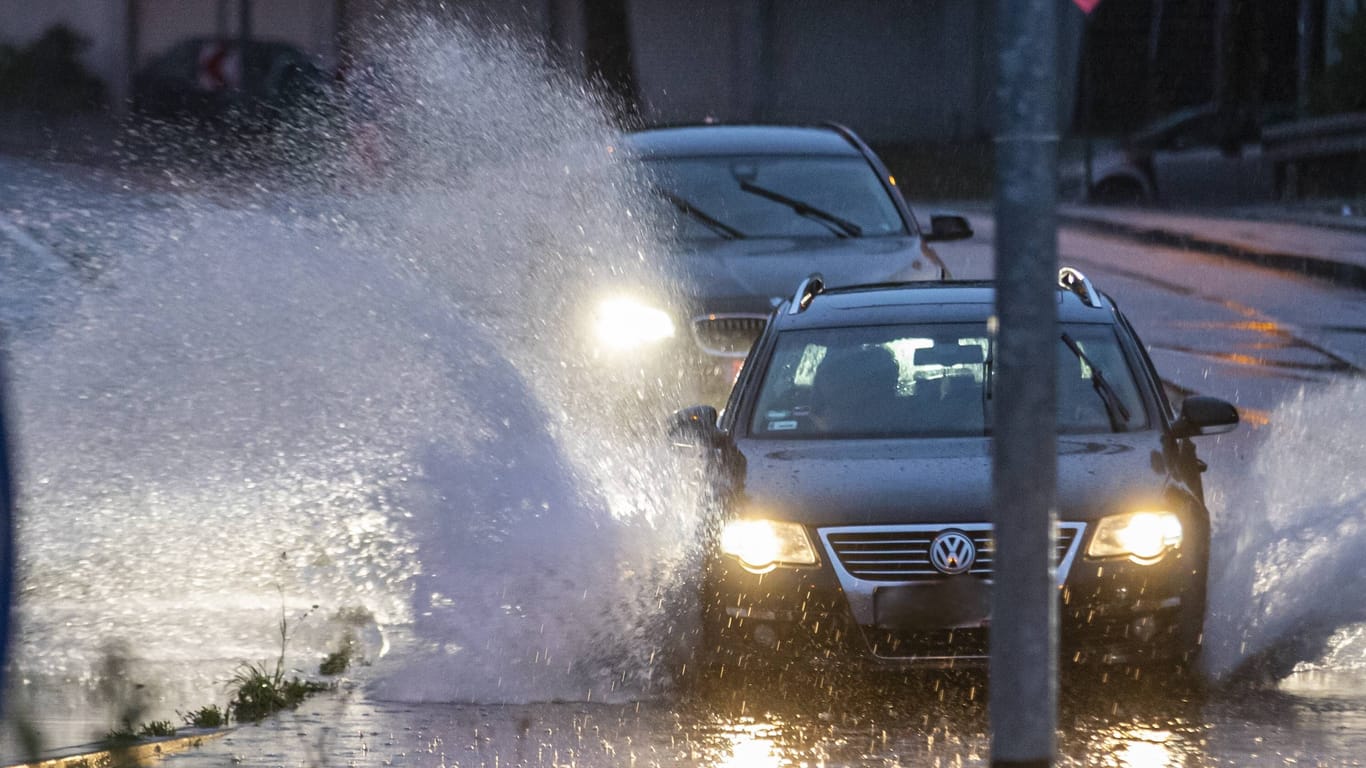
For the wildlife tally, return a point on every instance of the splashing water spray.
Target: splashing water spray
(353, 378)
(1287, 565)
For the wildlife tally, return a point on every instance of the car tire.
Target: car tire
(1180, 665)
(1190, 630)
(725, 658)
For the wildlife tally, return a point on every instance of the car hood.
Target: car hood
(943, 480)
(746, 275)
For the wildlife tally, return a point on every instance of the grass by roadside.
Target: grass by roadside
(257, 690)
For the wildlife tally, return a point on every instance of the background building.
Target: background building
(914, 77)
(897, 71)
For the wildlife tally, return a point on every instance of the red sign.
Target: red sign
(1087, 6)
(220, 66)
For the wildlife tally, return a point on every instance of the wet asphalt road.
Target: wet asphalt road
(1248, 334)
(1316, 720)
(1251, 335)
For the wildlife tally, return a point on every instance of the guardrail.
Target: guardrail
(1317, 156)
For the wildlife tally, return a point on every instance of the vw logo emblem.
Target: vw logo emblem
(952, 552)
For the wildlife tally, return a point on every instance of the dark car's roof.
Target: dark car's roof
(1160, 129)
(182, 58)
(967, 301)
(702, 140)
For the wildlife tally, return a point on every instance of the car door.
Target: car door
(1191, 166)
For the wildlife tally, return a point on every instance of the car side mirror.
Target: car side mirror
(945, 227)
(1202, 415)
(695, 427)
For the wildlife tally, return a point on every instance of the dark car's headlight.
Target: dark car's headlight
(1142, 536)
(762, 544)
(626, 324)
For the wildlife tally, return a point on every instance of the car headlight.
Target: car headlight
(762, 544)
(628, 324)
(1143, 536)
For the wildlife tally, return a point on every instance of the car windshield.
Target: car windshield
(724, 189)
(924, 381)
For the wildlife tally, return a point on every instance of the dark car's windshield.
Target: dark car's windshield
(924, 381)
(722, 188)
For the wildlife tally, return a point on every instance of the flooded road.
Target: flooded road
(1294, 376)
(1312, 719)
(352, 409)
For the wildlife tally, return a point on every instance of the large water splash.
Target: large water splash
(1288, 565)
(353, 383)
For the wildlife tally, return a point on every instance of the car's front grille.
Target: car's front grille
(902, 553)
(728, 335)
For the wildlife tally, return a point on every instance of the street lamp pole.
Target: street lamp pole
(7, 547)
(1024, 610)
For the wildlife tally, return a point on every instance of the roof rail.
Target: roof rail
(807, 291)
(844, 132)
(1071, 279)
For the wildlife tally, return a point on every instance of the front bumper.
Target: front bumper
(1110, 611)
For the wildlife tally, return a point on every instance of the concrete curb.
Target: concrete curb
(1337, 272)
(137, 753)
(1354, 224)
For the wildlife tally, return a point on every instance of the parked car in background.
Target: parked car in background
(1191, 155)
(755, 208)
(852, 466)
(212, 82)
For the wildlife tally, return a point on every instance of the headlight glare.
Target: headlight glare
(627, 324)
(1143, 536)
(762, 544)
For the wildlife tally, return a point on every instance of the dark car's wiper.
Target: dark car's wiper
(842, 227)
(1114, 408)
(987, 365)
(711, 222)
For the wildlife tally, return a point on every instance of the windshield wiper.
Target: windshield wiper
(1114, 407)
(987, 365)
(842, 227)
(710, 222)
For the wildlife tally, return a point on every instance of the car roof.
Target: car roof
(705, 140)
(941, 302)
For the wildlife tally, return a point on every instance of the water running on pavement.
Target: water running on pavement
(345, 391)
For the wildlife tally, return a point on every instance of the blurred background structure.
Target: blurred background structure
(878, 66)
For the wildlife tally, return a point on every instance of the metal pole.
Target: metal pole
(6, 529)
(1304, 48)
(1087, 112)
(1024, 610)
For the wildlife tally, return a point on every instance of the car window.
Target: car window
(922, 381)
(1081, 409)
(846, 187)
(1202, 131)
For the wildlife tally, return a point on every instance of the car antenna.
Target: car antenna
(807, 291)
